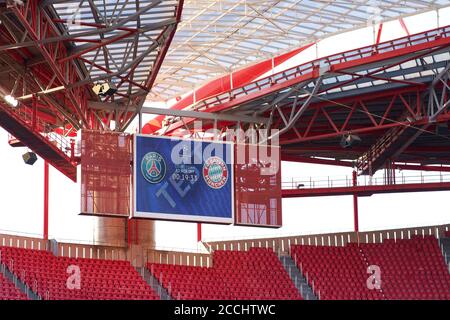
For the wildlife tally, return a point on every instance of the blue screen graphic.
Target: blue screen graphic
(178, 179)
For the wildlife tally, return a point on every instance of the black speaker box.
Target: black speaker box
(350, 140)
(29, 158)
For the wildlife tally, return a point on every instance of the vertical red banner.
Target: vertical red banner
(257, 186)
(105, 173)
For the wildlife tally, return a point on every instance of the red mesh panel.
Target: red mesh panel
(257, 195)
(105, 173)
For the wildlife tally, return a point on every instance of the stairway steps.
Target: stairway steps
(19, 284)
(445, 246)
(153, 283)
(378, 153)
(297, 278)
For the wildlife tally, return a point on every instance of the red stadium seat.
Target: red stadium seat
(99, 279)
(410, 269)
(249, 275)
(8, 291)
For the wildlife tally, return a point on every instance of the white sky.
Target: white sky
(21, 186)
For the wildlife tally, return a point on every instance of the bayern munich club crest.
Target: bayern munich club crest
(153, 167)
(215, 172)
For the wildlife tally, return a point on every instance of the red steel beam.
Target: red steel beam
(365, 190)
(294, 158)
(410, 83)
(46, 197)
(434, 45)
(429, 47)
(199, 232)
(355, 202)
(422, 168)
(442, 118)
(58, 69)
(403, 24)
(126, 79)
(250, 97)
(380, 30)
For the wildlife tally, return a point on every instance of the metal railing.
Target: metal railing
(327, 61)
(347, 181)
(43, 128)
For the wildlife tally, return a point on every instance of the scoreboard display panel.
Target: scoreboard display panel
(183, 179)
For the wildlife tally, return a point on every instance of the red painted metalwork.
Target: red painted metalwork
(401, 109)
(403, 24)
(46, 199)
(376, 126)
(38, 25)
(338, 62)
(48, 145)
(329, 162)
(14, 142)
(199, 232)
(380, 30)
(355, 203)
(257, 190)
(105, 173)
(225, 84)
(157, 65)
(366, 190)
(411, 83)
(54, 72)
(422, 168)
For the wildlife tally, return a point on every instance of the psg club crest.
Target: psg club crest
(153, 167)
(215, 172)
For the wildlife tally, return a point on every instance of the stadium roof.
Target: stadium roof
(218, 36)
(125, 49)
(75, 44)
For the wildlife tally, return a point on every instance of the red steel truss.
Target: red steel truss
(391, 94)
(417, 178)
(51, 60)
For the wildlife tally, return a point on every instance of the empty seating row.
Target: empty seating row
(8, 291)
(61, 278)
(399, 269)
(254, 274)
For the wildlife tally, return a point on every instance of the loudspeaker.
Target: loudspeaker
(105, 89)
(29, 158)
(350, 140)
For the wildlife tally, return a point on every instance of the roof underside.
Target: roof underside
(217, 36)
(57, 50)
(383, 93)
(127, 47)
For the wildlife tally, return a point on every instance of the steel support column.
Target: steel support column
(46, 193)
(199, 232)
(355, 203)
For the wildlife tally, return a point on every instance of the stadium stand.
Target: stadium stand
(335, 272)
(410, 269)
(48, 275)
(253, 274)
(8, 291)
